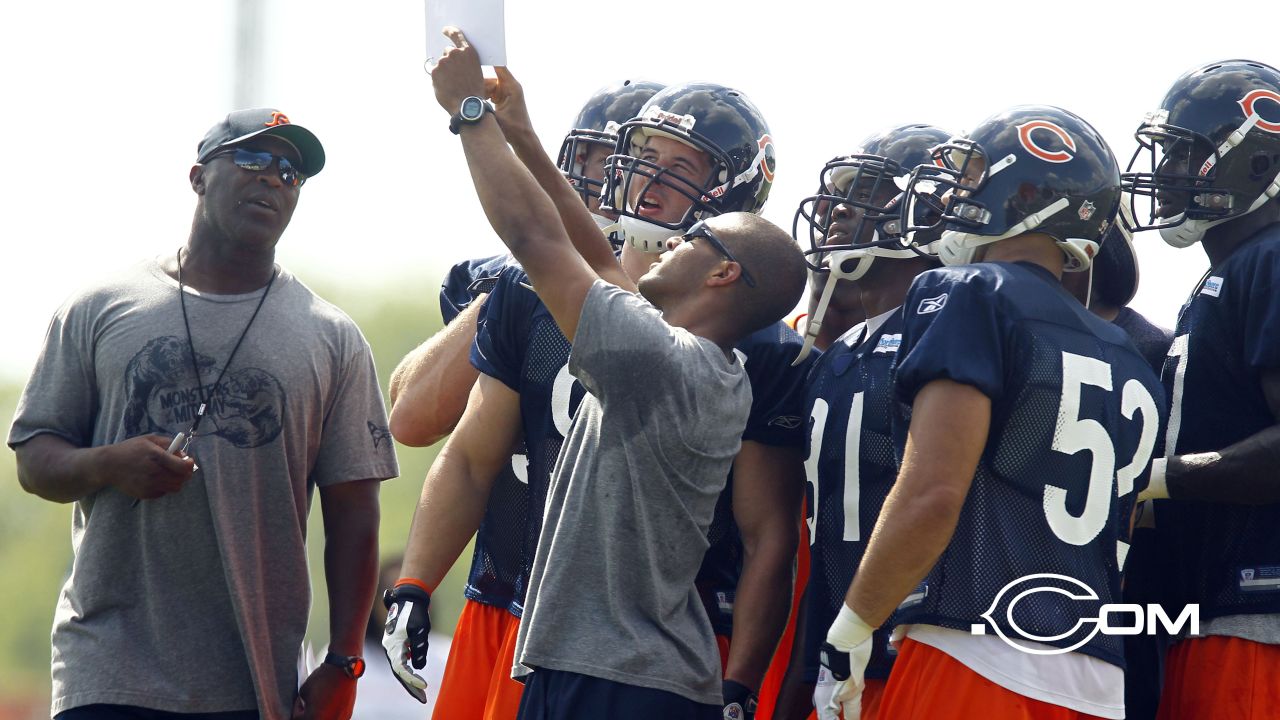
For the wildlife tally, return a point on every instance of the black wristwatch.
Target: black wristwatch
(472, 109)
(352, 665)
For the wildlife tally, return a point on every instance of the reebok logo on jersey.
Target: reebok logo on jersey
(889, 343)
(786, 422)
(1212, 287)
(931, 305)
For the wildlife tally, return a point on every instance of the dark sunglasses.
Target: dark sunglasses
(255, 161)
(700, 230)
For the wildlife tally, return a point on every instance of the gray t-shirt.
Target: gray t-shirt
(611, 594)
(198, 601)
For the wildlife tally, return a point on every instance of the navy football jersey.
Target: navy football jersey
(498, 567)
(468, 279)
(851, 467)
(520, 344)
(1075, 415)
(1227, 334)
(777, 397)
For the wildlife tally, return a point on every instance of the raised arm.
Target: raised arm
(519, 211)
(513, 117)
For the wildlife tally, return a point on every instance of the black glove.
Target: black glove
(405, 638)
(739, 701)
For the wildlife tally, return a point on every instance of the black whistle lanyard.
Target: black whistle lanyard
(191, 346)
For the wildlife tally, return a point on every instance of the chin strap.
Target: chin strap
(836, 262)
(956, 248)
(1190, 232)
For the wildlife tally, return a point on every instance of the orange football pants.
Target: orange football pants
(928, 683)
(1221, 677)
(477, 682)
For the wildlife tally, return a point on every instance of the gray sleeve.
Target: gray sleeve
(61, 396)
(356, 444)
(621, 340)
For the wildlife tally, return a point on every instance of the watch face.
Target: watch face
(472, 108)
(357, 667)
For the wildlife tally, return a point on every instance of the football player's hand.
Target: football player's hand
(405, 636)
(508, 102)
(823, 692)
(739, 701)
(457, 74)
(845, 655)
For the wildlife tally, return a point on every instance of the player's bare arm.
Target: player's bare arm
(141, 467)
(1243, 473)
(457, 486)
(517, 208)
(948, 432)
(350, 512)
(429, 387)
(768, 484)
(513, 116)
(449, 512)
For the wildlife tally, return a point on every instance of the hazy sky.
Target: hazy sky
(104, 104)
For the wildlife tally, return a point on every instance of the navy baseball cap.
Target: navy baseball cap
(240, 125)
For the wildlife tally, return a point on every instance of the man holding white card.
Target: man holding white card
(609, 508)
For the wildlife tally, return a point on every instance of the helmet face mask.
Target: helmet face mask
(1174, 186)
(862, 196)
(715, 120)
(1211, 154)
(577, 146)
(596, 129)
(1032, 168)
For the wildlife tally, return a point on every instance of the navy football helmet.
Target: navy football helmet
(1031, 168)
(856, 214)
(868, 183)
(1212, 151)
(714, 119)
(597, 126)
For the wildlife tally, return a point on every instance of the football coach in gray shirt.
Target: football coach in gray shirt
(612, 625)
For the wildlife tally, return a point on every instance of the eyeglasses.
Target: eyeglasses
(259, 161)
(700, 230)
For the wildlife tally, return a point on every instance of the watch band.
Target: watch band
(456, 121)
(352, 665)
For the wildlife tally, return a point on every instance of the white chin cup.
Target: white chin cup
(1186, 234)
(957, 248)
(1079, 252)
(644, 236)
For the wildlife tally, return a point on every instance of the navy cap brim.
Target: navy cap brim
(308, 145)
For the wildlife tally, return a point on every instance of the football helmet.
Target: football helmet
(860, 195)
(1031, 168)
(597, 126)
(714, 119)
(1211, 152)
